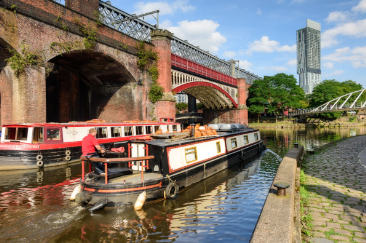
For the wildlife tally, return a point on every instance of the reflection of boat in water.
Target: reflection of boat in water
(175, 164)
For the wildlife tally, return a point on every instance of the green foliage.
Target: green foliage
(68, 46)
(156, 92)
(147, 59)
(276, 94)
(200, 106)
(14, 8)
(330, 89)
(90, 33)
(99, 18)
(353, 119)
(20, 61)
(181, 106)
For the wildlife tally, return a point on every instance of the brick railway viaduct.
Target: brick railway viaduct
(103, 82)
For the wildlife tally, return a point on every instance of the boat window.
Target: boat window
(191, 155)
(128, 131)
(246, 140)
(218, 147)
(256, 136)
(53, 134)
(139, 130)
(38, 135)
(101, 132)
(148, 129)
(175, 129)
(116, 132)
(10, 133)
(156, 128)
(234, 144)
(22, 133)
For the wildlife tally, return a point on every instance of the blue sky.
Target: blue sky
(262, 33)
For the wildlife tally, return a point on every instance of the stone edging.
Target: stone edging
(276, 222)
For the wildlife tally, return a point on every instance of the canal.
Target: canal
(35, 206)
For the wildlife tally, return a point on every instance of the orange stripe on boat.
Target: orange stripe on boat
(132, 189)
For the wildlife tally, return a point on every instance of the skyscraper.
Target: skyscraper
(308, 56)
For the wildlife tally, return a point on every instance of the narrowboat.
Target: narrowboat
(166, 163)
(35, 145)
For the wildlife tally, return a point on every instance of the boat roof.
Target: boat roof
(177, 142)
(89, 124)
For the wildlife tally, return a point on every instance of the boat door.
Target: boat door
(137, 151)
(53, 135)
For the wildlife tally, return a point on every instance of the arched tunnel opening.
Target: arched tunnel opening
(85, 85)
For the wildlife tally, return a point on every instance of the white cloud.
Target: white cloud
(229, 54)
(292, 62)
(200, 33)
(278, 69)
(335, 73)
(337, 16)
(328, 65)
(164, 7)
(267, 45)
(357, 56)
(259, 12)
(356, 29)
(245, 64)
(361, 7)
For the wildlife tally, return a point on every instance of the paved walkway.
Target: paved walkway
(337, 183)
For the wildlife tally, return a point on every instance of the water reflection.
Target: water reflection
(35, 206)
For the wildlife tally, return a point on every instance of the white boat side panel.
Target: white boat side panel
(137, 151)
(2, 134)
(240, 140)
(30, 135)
(73, 134)
(204, 151)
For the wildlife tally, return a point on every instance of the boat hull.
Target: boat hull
(128, 196)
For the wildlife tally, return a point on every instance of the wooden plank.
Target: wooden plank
(114, 160)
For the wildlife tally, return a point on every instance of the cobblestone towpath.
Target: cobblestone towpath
(336, 184)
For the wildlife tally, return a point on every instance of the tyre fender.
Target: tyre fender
(40, 163)
(172, 191)
(39, 157)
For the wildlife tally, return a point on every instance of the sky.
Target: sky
(261, 34)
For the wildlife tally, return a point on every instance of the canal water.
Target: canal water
(35, 206)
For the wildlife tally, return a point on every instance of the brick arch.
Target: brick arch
(211, 95)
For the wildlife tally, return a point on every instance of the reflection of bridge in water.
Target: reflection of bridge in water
(347, 102)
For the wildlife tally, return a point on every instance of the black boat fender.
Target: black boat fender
(171, 191)
(99, 205)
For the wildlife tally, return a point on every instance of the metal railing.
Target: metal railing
(140, 30)
(342, 103)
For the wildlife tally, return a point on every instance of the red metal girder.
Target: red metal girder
(202, 70)
(199, 83)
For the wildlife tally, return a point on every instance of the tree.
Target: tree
(258, 96)
(330, 89)
(181, 106)
(276, 94)
(285, 94)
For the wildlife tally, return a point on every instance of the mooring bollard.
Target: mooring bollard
(281, 188)
(296, 145)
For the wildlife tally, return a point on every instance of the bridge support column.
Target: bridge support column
(86, 7)
(236, 115)
(161, 39)
(23, 97)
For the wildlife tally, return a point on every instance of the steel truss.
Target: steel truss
(341, 103)
(139, 29)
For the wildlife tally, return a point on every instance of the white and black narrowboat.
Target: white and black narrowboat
(34, 145)
(162, 166)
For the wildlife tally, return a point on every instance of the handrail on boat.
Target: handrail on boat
(114, 160)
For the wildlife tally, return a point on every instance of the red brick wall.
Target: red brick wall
(225, 116)
(165, 109)
(6, 90)
(86, 7)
